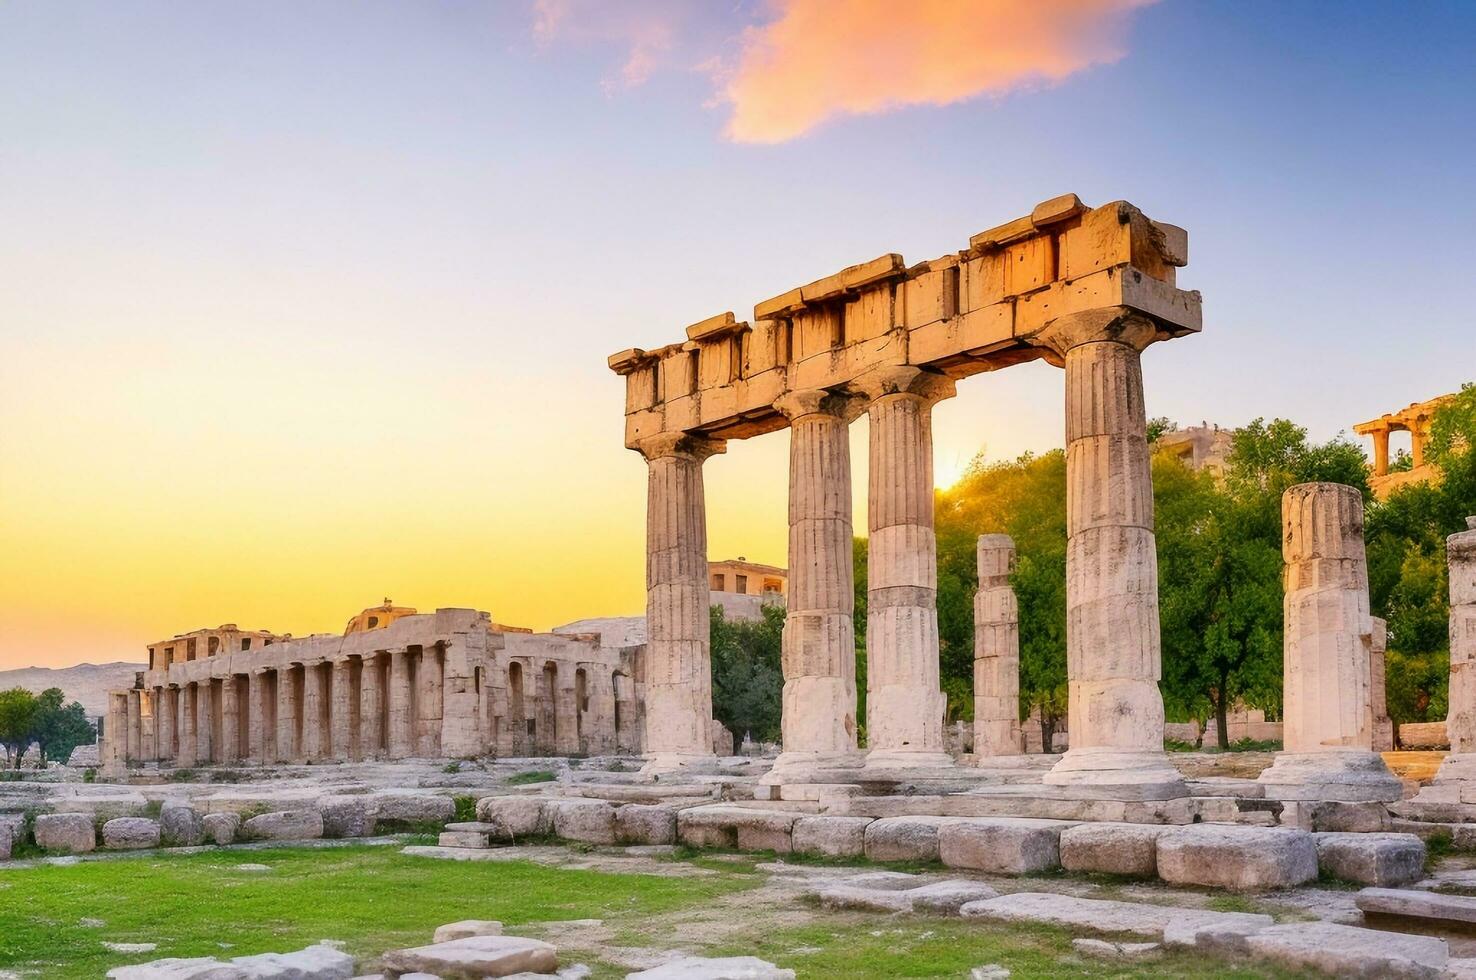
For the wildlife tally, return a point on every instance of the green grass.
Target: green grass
(372, 898)
(536, 776)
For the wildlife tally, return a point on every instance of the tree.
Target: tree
(747, 673)
(17, 711)
(58, 728)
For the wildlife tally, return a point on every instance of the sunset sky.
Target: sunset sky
(306, 305)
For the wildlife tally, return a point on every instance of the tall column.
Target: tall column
(341, 713)
(1417, 436)
(401, 717)
(819, 643)
(1112, 642)
(371, 708)
(996, 651)
(166, 715)
(188, 746)
(1381, 452)
(151, 724)
(1328, 633)
(263, 713)
(905, 704)
(1378, 688)
(678, 651)
(135, 726)
(430, 690)
(114, 743)
(312, 712)
(287, 748)
(204, 719)
(1460, 721)
(229, 749)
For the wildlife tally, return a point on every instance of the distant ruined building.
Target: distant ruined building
(1199, 447)
(1416, 421)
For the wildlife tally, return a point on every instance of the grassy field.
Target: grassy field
(54, 920)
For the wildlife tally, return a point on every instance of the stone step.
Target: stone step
(1457, 910)
(474, 827)
(1108, 917)
(465, 838)
(1350, 951)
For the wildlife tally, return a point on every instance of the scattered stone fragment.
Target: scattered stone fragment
(516, 816)
(1372, 859)
(651, 850)
(1350, 951)
(346, 816)
(320, 962)
(1237, 858)
(1003, 845)
(221, 828)
(903, 838)
(1114, 951)
(1100, 915)
(830, 836)
(889, 880)
(865, 899)
(130, 834)
(467, 928)
(990, 971)
(284, 825)
(1112, 848)
(70, 833)
(474, 958)
(130, 947)
(89, 923)
(180, 826)
(720, 968)
(253, 867)
(947, 897)
(1449, 909)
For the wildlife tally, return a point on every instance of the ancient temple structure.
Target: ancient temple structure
(996, 651)
(1085, 289)
(1416, 421)
(396, 684)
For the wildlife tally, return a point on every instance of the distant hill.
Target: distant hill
(87, 683)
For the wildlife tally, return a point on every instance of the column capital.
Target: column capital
(795, 405)
(1112, 324)
(902, 379)
(689, 444)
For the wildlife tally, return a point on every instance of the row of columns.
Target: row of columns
(1112, 591)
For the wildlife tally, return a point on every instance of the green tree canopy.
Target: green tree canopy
(747, 676)
(17, 712)
(57, 727)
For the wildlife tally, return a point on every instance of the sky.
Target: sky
(307, 305)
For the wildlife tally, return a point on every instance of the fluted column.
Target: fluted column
(341, 713)
(401, 715)
(113, 750)
(204, 718)
(229, 749)
(287, 748)
(678, 651)
(312, 712)
(371, 708)
(1112, 638)
(135, 726)
(1327, 715)
(819, 643)
(996, 651)
(166, 717)
(188, 746)
(905, 704)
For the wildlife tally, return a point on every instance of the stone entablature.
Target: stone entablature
(205, 643)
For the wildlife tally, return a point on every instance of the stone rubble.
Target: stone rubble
(320, 962)
(473, 958)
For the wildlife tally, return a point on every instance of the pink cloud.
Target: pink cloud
(818, 59)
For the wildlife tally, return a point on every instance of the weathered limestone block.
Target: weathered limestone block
(947, 897)
(996, 651)
(284, 825)
(1100, 915)
(348, 816)
(70, 833)
(413, 808)
(518, 816)
(1237, 858)
(13, 828)
(467, 928)
(1372, 859)
(473, 958)
(743, 828)
(830, 836)
(588, 821)
(222, 828)
(130, 833)
(844, 896)
(1112, 848)
(180, 826)
(714, 968)
(1334, 816)
(637, 823)
(904, 838)
(1349, 951)
(479, 836)
(1003, 845)
(1446, 911)
(320, 962)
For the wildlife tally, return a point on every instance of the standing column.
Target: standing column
(341, 711)
(204, 718)
(819, 643)
(166, 714)
(1460, 721)
(155, 744)
(678, 652)
(401, 717)
(1112, 644)
(188, 745)
(113, 746)
(229, 749)
(135, 726)
(905, 704)
(312, 712)
(287, 750)
(371, 708)
(1381, 452)
(996, 651)
(1378, 688)
(1327, 715)
(263, 729)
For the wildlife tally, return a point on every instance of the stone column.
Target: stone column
(204, 716)
(166, 713)
(1381, 452)
(1112, 643)
(996, 651)
(371, 709)
(1417, 436)
(229, 749)
(819, 644)
(678, 652)
(1327, 715)
(287, 748)
(1378, 691)
(1460, 721)
(312, 712)
(151, 730)
(263, 731)
(135, 726)
(904, 702)
(114, 743)
(341, 711)
(188, 746)
(401, 718)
